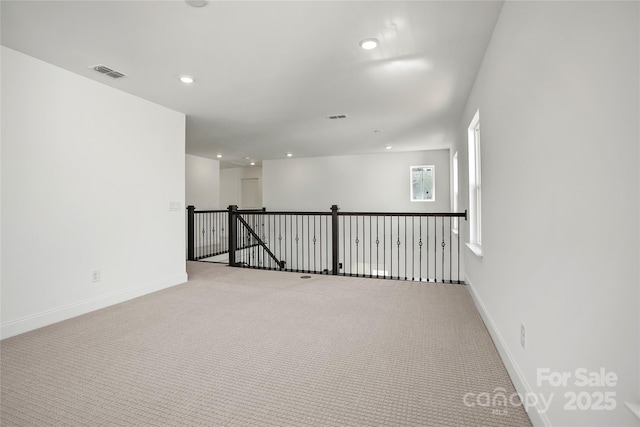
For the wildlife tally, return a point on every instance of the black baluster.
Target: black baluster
(320, 218)
(427, 239)
(413, 246)
(357, 241)
(344, 247)
(297, 246)
(420, 246)
(364, 248)
(398, 243)
(370, 247)
(443, 244)
(405, 248)
(310, 244)
(214, 217)
(390, 247)
(377, 247)
(450, 251)
(280, 239)
(335, 240)
(203, 238)
(384, 244)
(205, 234)
(436, 245)
(290, 236)
(270, 242)
(315, 267)
(326, 243)
(458, 245)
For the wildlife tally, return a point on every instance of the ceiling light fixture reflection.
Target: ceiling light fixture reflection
(197, 3)
(289, 155)
(388, 147)
(219, 156)
(187, 79)
(368, 44)
(252, 163)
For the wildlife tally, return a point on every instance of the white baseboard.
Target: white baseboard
(29, 323)
(538, 418)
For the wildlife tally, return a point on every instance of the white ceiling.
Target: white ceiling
(268, 73)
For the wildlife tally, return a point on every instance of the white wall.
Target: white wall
(375, 182)
(88, 173)
(558, 97)
(202, 182)
(230, 184)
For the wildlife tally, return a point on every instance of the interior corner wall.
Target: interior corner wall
(88, 175)
(202, 184)
(373, 182)
(558, 95)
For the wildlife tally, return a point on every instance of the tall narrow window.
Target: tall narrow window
(454, 179)
(475, 185)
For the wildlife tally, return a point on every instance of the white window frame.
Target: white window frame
(456, 190)
(475, 186)
(433, 182)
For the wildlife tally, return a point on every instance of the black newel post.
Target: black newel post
(334, 239)
(191, 244)
(233, 230)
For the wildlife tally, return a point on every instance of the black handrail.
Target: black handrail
(422, 214)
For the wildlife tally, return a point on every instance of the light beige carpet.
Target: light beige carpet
(239, 347)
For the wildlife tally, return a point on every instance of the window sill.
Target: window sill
(476, 249)
(634, 408)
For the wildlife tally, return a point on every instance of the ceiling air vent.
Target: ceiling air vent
(337, 117)
(107, 71)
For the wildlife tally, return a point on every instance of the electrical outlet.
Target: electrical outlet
(522, 335)
(339, 266)
(95, 276)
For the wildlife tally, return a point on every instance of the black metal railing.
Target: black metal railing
(251, 233)
(405, 246)
(292, 241)
(206, 233)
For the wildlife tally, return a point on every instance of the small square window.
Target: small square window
(423, 183)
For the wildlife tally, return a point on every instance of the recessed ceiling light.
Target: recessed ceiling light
(186, 79)
(219, 156)
(196, 3)
(368, 44)
(387, 147)
(289, 155)
(252, 163)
